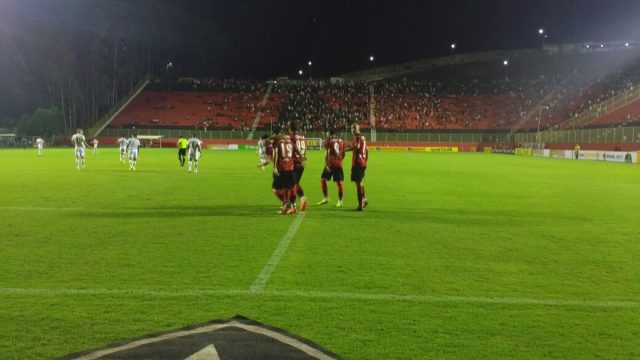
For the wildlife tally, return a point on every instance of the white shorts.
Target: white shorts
(123, 150)
(79, 153)
(133, 154)
(39, 147)
(194, 155)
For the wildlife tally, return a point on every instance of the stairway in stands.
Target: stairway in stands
(620, 108)
(261, 106)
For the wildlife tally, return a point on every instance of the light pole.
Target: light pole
(540, 117)
(453, 47)
(309, 63)
(505, 63)
(543, 36)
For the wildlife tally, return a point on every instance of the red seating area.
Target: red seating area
(197, 109)
(398, 105)
(629, 114)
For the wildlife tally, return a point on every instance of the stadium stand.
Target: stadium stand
(521, 101)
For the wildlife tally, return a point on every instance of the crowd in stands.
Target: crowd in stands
(397, 105)
(320, 106)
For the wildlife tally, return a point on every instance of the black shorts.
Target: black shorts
(298, 170)
(182, 152)
(357, 173)
(335, 173)
(286, 180)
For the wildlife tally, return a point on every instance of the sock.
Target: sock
(196, 165)
(359, 186)
(292, 195)
(189, 165)
(278, 194)
(323, 184)
(299, 191)
(340, 190)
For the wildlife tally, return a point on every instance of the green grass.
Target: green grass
(447, 261)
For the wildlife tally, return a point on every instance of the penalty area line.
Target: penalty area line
(292, 294)
(262, 279)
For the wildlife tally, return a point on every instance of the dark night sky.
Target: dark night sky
(276, 37)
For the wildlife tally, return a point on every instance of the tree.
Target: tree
(43, 122)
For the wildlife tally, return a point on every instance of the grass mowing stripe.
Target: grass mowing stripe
(265, 274)
(332, 296)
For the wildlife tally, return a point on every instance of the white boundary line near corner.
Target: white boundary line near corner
(262, 279)
(450, 299)
(297, 344)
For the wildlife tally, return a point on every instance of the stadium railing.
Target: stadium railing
(604, 135)
(444, 137)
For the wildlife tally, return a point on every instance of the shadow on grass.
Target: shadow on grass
(447, 216)
(192, 211)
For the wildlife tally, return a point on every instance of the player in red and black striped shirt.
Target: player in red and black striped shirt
(359, 164)
(284, 179)
(334, 153)
(299, 159)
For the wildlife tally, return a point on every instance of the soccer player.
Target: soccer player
(122, 142)
(359, 164)
(283, 180)
(80, 144)
(334, 153)
(576, 151)
(95, 143)
(195, 148)
(133, 145)
(264, 145)
(299, 158)
(182, 149)
(39, 145)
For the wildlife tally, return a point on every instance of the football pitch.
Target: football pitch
(457, 256)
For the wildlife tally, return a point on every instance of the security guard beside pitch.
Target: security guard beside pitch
(576, 151)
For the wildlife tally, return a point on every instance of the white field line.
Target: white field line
(265, 274)
(292, 294)
(208, 329)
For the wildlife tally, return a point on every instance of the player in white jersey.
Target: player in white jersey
(133, 145)
(80, 143)
(123, 148)
(195, 149)
(263, 154)
(39, 145)
(95, 143)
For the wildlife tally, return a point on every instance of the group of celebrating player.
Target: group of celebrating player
(287, 152)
